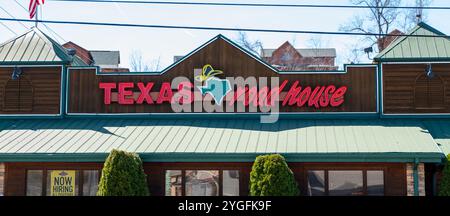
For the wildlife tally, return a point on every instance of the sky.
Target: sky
(163, 44)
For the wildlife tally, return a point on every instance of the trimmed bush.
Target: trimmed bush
(123, 175)
(271, 176)
(444, 187)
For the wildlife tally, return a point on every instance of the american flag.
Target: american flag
(33, 6)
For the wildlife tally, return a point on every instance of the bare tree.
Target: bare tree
(383, 18)
(411, 17)
(380, 20)
(138, 64)
(256, 47)
(317, 43)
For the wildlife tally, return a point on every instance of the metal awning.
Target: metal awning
(90, 140)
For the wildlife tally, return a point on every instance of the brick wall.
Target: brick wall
(2, 178)
(410, 179)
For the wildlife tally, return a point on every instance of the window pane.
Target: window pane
(345, 183)
(230, 182)
(62, 182)
(174, 182)
(375, 183)
(202, 182)
(90, 182)
(34, 182)
(316, 183)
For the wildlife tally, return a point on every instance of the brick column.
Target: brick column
(410, 179)
(2, 179)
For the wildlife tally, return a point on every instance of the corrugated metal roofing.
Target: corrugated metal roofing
(440, 130)
(108, 58)
(302, 140)
(406, 48)
(34, 47)
(306, 52)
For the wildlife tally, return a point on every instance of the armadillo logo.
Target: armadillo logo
(217, 88)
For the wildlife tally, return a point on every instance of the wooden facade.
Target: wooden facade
(36, 91)
(85, 96)
(408, 90)
(394, 174)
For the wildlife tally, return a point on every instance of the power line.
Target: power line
(9, 14)
(48, 28)
(52, 31)
(217, 28)
(12, 31)
(258, 4)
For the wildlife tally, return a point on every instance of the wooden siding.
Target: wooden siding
(40, 91)
(394, 173)
(85, 96)
(407, 89)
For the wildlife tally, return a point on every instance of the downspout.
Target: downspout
(416, 177)
(380, 89)
(63, 91)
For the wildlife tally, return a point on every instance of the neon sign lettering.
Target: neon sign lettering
(297, 95)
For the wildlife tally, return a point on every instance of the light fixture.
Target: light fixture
(16, 73)
(429, 71)
(368, 50)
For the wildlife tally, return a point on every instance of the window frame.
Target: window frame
(45, 176)
(183, 177)
(364, 174)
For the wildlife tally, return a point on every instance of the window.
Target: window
(62, 182)
(345, 182)
(90, 182)
(375, 183)
(34, 182)
(202, 182)
(174, 181)
(316, 183)
(429, 93)
(230, 183)
(18, 95)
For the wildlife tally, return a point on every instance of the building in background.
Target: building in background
(108, 61)
(288, 58)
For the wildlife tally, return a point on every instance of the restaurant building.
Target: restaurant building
(370, 129)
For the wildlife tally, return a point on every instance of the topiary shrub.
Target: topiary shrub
(271, 176)
(123, 175)
(444, 187)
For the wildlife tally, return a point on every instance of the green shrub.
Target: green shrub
(123, 175)
(271, 176)
(444, 187)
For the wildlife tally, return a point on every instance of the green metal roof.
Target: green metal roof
(440, 130)
(218, 140)
(418, 49)
(35, 47)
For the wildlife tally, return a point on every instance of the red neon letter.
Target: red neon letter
(315, 95)
(145, 93)
(304, 96)
(124, 93)
(325, 99)
(107, 89)
(165, 94)
(338, 97)
(185, 93)
(292, 94)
